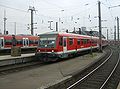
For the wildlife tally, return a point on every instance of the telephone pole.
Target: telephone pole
(5, 22)
(32, 9)
(100, 28)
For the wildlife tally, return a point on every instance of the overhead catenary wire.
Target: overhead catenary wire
(13, 8)
(111, 15)
(53, 4)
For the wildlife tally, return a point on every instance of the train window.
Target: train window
(92, 41)
(19, 41)
(88, 41)
(78, 41)
(81, 41)
(84, 41)
(31, 42)
(36, 41)
(61, 41)
(1, 43)
(24, 42)
(8, 42)
(27, 42)
(65, 42)
(95, 41)
(70, 41)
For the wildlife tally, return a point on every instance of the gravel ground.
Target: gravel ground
(46, 75)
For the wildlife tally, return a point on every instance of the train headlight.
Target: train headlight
(52, 50)
(38, 50)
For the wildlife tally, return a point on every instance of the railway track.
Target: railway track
(100, 76)
(104, 74)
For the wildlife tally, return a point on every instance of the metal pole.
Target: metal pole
(56, 26)
(107, 34)
(5, 22)
(115, 34)
(91, 42)
(118, 29)
(31, 21)
(100, 29)
(32, 27)
(15, 28)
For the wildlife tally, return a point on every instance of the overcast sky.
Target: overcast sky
(73, 13)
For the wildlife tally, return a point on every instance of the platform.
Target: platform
(8, 59)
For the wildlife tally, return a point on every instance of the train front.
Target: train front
(47, 48)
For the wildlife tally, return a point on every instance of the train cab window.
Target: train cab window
(61, 41)
(78, 41)
(47, 42)
(70, 41)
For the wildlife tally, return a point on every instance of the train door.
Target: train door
(1, 42)
(64, 44)
(25, 42)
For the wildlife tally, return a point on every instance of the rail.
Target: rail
(90, 72)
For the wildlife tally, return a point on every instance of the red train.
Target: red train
(24, 41)
(55, 45)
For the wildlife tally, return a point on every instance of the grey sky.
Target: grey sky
(47, 10)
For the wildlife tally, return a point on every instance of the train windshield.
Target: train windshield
(47, 42)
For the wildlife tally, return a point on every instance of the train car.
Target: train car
(54, 45)
(23, 41)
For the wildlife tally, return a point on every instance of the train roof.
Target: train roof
(18, 35)
(67, 34)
